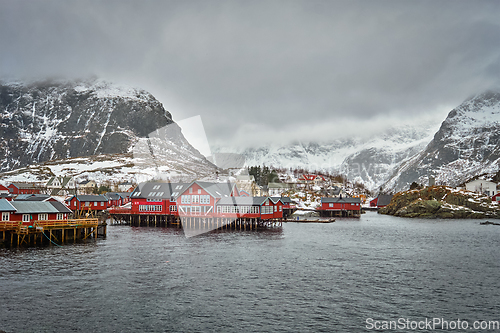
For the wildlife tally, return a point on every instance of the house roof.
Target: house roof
(217, 190)
(6, 206)
(32, 197)
(311, 177)
(3, 188)
(340, 200)
(88, 197)
(85, 182)
(33, 207)
(285, 199)
(384, 199)
(23, 185)
(113, 196)
(242, 201)
(154, 190)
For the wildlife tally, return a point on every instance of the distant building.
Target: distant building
(126, 187)
(247, 184)
(87, 187)
(482, 186)
(311, 179)
(23, 188)
(87, 202)
(59, 185)
(381, 201)
(277, 189)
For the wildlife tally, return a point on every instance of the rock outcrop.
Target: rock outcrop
(441, 202)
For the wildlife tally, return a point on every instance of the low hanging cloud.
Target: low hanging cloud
(266, 70)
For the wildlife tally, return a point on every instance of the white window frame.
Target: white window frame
(26, 217)
(204, 199)
(5, 216)
(60, 216)
(43, 217)
(185, 199)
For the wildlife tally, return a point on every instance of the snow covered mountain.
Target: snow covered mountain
(59, 121)
(368, 160)
(466, 145)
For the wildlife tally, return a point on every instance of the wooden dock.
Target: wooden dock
(55, 232)
(194, 221)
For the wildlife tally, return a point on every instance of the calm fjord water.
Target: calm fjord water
(298, 278)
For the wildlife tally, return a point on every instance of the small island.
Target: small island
(442, 202)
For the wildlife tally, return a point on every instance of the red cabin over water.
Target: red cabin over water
(28, 212)
(340, 207)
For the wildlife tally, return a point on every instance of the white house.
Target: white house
(482, 186)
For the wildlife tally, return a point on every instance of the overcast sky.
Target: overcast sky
(257, 71)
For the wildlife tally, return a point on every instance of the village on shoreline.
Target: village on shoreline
(250, 199)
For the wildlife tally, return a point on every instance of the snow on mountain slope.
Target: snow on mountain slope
(466, 145)
(58, 121)
(370, 161)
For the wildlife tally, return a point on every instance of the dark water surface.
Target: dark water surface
(298, 278)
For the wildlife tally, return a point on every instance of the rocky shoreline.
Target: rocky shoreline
(442, 202)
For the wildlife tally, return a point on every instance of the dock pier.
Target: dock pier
(195, 222)
(54, 232)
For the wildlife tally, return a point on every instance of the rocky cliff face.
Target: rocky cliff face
(57, 120)
(441, 202)
(466, 145)
(92, 127)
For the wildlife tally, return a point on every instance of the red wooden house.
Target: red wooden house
(496, 197)
(3, 189)
(200, 198)
(250, 207)
(156, 198)
(87, 202)
(340, 206)
(23, 188)
(288, 206)
(311, 179)
(28, 212)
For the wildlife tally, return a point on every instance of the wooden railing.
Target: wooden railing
(9, 225)
(67, 223)
(15, 225)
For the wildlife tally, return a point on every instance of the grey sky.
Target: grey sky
(267, 70)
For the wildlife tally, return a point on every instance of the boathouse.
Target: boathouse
(43, 222)
(28, 212)
(341, 207)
